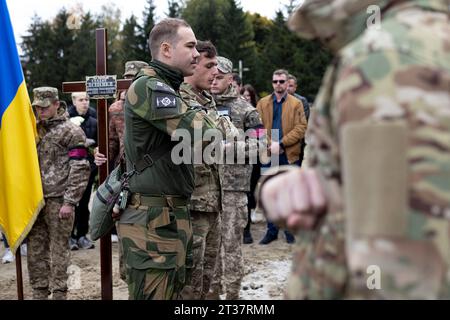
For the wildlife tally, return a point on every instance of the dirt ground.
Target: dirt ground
(266, 271)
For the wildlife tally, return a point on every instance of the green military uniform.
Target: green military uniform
(380, 140)
(155, 228)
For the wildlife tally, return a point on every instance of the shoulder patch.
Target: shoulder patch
(158, 85)
(164, 100)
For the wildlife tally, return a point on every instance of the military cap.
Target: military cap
(44, 96)
(224, 65)
(132, 68)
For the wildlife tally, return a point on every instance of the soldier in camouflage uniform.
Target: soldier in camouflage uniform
(64, 172)
(116, 129)
(235, 180)
(155, 228)
(205, 200)
(376, 205)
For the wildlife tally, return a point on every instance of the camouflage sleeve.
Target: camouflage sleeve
(113, 138)
(256, 137)
(401, 109)
(79, 168)
(298, 132)
(161, 106)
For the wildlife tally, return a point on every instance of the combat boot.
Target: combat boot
(59, 295)
(40, 294)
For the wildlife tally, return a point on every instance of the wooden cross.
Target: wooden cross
(102, 122)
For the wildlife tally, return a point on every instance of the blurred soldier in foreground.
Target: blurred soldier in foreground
(375, 208)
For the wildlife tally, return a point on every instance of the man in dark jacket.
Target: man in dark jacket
(81, 114)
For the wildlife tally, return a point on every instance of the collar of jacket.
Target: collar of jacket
(202, 97)
(173, 76)
(61, 116)
(336, 23)
(229, 94)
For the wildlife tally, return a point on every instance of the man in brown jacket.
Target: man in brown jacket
(284, 118)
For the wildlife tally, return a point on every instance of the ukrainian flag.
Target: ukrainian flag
(21, 196)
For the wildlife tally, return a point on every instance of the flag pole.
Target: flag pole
(19, 275)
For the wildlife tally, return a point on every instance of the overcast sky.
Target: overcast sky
(21, 11)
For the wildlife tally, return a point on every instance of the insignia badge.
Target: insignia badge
(224, 111)
(166, 102)
(163, 87)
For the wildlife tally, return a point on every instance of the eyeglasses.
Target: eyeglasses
(278, 81)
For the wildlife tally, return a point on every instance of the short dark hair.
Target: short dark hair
(292, 77)
(165, 30)
(207, 47)
(280, 72)
(237, 79)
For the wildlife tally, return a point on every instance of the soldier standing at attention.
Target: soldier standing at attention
(65, 173)
(205, 200)
(155, 228)
(374, 209)
(116, 129)
(235, 180)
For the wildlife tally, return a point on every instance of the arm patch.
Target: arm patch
(165, 102)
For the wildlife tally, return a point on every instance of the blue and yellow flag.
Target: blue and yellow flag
(21, 196)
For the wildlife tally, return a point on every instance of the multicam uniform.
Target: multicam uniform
(65, 172)
(235, 180)
(204, 208)
(380, 139)
(155, 228)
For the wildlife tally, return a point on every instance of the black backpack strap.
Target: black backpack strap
(150, 158)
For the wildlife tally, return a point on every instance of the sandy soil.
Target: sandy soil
(266, 271)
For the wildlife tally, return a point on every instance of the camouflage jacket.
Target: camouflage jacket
(154, 113)
(206, 195)
(236, 176)
(380, 139)
(116, 129)
(62, 158)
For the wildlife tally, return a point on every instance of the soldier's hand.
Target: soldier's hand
(295, 199)
(66, 211)
(99, 158)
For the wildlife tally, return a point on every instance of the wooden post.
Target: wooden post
(19, 274)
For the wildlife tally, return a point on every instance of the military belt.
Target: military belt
(139, 201)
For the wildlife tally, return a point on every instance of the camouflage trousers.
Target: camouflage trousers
(48, 250)
(157, 250)
(229, 269)
(206, 230)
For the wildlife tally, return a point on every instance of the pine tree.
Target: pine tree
(175, 8)
(130, 45)
(206, 18)
(35, 53)
(236, 40)
(110, 18)
(62, 41)
(144, 31)
(82, 53)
